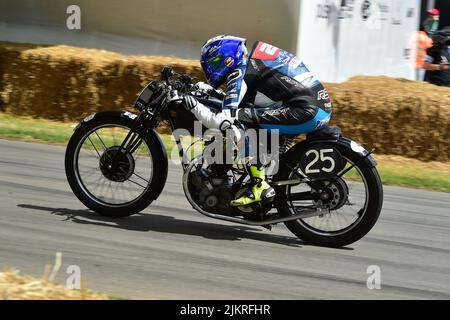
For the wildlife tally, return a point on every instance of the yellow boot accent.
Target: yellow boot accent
(258, 192)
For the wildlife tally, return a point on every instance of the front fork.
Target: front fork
(132, 140)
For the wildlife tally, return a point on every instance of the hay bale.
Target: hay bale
(68, 83)
(396, 116)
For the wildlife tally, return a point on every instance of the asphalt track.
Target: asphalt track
(172, 252)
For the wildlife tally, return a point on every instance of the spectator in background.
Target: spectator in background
(431, 24)
(437, 61)
(422, 43)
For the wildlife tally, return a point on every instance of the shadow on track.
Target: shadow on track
(168, 224)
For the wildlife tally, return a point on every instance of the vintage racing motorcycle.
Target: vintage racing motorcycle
(328, 190)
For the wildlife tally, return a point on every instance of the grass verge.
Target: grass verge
(394, 170)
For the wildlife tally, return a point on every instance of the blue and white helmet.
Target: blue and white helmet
(221, 55)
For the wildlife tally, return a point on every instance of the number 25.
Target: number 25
(322, 158)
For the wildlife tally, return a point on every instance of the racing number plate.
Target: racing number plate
(321, 162)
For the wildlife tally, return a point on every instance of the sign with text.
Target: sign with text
(342, 38)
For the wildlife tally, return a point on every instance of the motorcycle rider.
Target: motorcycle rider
(269, 88)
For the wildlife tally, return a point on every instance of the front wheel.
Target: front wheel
(108, 179)
(354, 202)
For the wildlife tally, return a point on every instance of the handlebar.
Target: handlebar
(152, 97)
(185, 84)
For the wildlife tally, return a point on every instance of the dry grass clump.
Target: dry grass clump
(14, 286)
(397, 116)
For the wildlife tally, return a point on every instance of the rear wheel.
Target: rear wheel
(354, 202)
(110, 180)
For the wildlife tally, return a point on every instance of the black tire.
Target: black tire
(357, 231)
(152, 191)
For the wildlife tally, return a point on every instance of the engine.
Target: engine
(212, 189)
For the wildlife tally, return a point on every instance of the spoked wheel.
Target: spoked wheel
(109, 178)
(352, 205)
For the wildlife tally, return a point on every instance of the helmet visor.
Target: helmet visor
(215, 62)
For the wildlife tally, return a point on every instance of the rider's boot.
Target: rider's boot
(260, 191)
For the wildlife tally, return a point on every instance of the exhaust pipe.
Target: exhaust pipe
(305, 213)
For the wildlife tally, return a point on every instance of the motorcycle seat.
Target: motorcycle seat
(326, 133)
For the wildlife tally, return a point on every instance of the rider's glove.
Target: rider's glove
(189, 102)
(204, 87)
